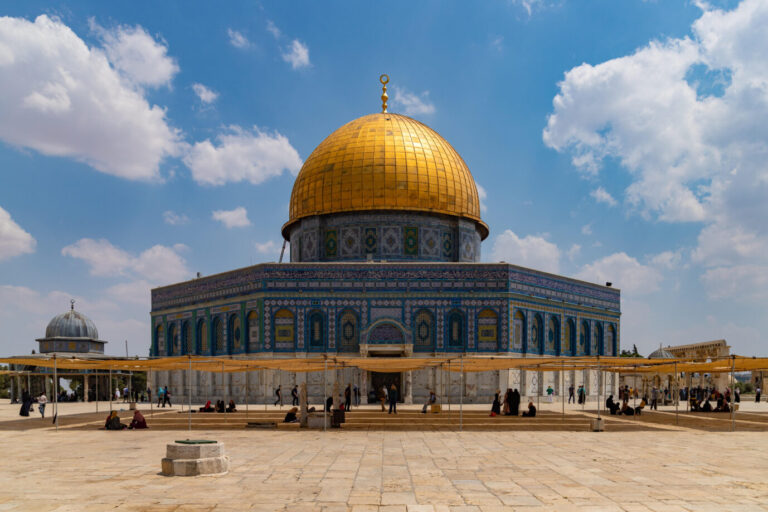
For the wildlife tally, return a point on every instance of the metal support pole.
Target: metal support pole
(562, 385)
(461, 396)
(677, 398)
(325, 395)
(449, 386)
(584, 387)
(733, 393)
(247, 374)
(97, 391)
(264, 373)
(598, 387)
(56, 393)
(539, 385)
(189, 393)
(151, 409)
(110, 390)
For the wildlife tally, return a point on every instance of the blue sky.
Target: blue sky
(615, 141)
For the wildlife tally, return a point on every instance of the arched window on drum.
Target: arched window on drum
(583, 348)
(519, 331)
(599, 347)
(284, 330)
(235, 334)
(253, 332)
(569, 343)
(219, 343)
(610, 340)
(537, 333)
(173, 339)
(160, 340)
(553, 336)
(202, 336)
(187, 342)
(316, 331)
(488, 330)
(349, 335)
(424, 331)
(456, 333)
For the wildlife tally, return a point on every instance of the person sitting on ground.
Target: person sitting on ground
(329, 403)
(207, 408)
(231, 407)
(138, 421)
(707, 407)
(531, 412)
(113, 422)
(611, 405)
(431, 399)
(625, 409)
(220, 406)
(639, 408)
(290, 417)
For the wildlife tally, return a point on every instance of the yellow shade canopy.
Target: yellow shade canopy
(385, 162)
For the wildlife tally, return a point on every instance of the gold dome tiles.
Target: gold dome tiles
(385, 162)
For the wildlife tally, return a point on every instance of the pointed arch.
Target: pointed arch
(456, 330)
(488, 330)
(187, 342)
(252, 343)
(219, 343)
(160, 341)
(537, 335)
(424, 331)
(520, 331)
(316, 330)
(349, 331)
(553, 335)
(202, 336)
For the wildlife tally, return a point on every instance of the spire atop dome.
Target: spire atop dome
(71, 304)
(384, 79)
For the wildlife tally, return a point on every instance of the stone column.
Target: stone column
(85, 387)
(408, 397)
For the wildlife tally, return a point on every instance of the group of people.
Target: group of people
(113, 422)
(722, 401)
(220, 407)
(27, 404)
(511, 404)
(624, 408)
(389, 396)
(573, 392)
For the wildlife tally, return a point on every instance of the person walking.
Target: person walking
(41, 401)
(393, 399)
(295, 395)
(348, 397)
(384, 397)
(126, 395)
(167, 397)
(570, 394)
(159, 395)
(654, 398)
(757, 395)
(549, 393)
(356, 392)
(149, 394)
(279, 395)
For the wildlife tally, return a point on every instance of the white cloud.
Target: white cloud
(586, 229)
(135, 292)
(237, 39)
(668, 260)
(14, 241)
(483, 195)
(530, 251)
(269, 247)
(62, 98)
(205, 94)
(624, 272)
(573, 252)
(174, 219)
(137, 55)
(411, 103)
(159, 263)
(685, 118)
(297, 54)
(740, 282)
(272, 29)
(237, 218)
(497, 43)
(242, 156)
(602, 196)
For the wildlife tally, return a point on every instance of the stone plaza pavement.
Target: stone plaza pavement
(395, 471)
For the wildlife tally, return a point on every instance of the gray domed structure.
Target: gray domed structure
(661, 353)
(71, 331)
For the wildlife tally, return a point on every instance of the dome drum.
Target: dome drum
(385, 235)
(391, 166)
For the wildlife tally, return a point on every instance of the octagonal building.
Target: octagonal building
(385, 240)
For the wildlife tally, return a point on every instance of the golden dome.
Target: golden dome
(385, 162)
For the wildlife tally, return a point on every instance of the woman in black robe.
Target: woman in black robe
(496, 407)
(515, 409)
(26, 403)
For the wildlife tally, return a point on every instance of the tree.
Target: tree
(630, 353)
(5, 383)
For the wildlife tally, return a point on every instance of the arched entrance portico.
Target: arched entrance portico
(387, 338)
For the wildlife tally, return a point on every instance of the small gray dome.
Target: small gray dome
(661, 353)
(71, 324)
